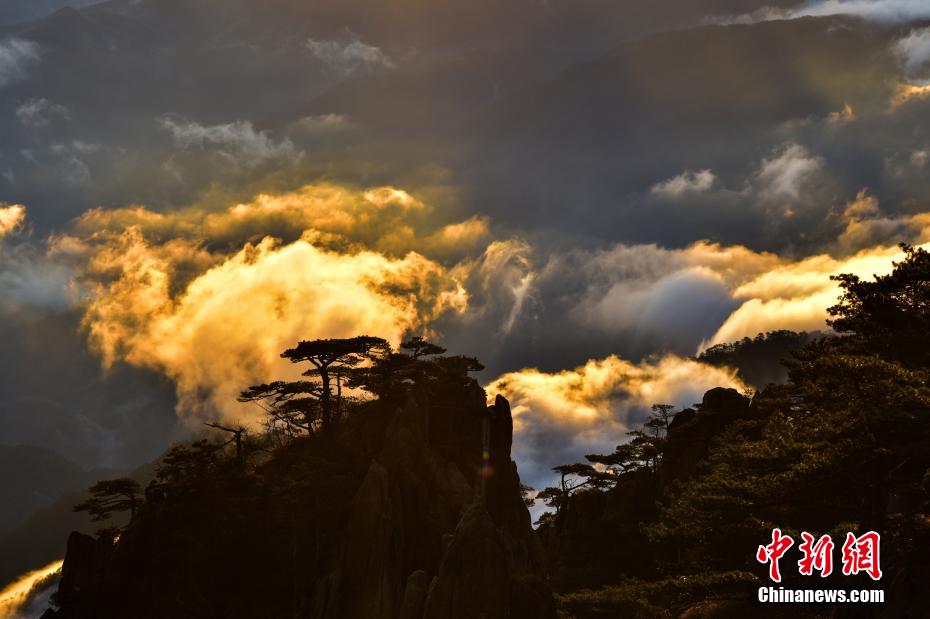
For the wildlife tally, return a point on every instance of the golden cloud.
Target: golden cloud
(796, 295)
(211, 297)
(557, 416)
(211, 301)
(638, 290)
(906, 93)
(16, 595)
(11, 218)
(385, 219)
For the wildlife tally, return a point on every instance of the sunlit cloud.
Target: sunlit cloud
(11, 218)
(842, 117)
(228, 325)
(908, 93)
(796, 295)
(387, 219)
(211, 298)
(16, 596)
(560, 416)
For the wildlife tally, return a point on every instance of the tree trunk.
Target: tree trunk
(327, 397)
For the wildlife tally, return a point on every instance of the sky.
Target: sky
(584, 195)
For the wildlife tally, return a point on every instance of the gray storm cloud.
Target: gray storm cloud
(348, 57)
(41, 113)
(238, 142)
(914, 52)
(685, 183)
(16, 57)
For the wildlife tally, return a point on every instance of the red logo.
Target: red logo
(860, 554)
(817, 556)
(772, 553)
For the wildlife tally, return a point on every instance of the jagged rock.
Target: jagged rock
(722, 399)
(415, 595)
(690, 433)
(368, 589)
(85, 557)
(475, 575)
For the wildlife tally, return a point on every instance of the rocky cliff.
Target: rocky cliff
(410, 510)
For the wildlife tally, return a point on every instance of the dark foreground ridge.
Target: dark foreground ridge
(391, 515)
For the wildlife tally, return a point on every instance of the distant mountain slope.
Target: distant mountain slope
(759, 359)
(32, 478)
(40, 538)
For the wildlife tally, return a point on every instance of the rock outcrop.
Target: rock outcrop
(435, 528)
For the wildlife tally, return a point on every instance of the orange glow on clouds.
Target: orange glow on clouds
(16, 594)
(11, 218)
(596, 395)
(906, 93)
(210, 300)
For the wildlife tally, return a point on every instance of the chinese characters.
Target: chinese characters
(859, 554)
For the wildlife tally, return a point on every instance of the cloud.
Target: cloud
(789, 180)
(238, 142)
(877, 10)
(913, 50)
(560, 416)
(919, 157)
(226, 328)
(349, 57)
(842, 117)
(11, 218)
(651, 297)
(685, 183)
(41, 113)
(908, 93)
(210, 298)
(385, 219)
(795, 295)
(323, 126)
(893, 11)
(867, 226)
(29, 276)
(784, 174)
(16, 56)
(501, 286)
